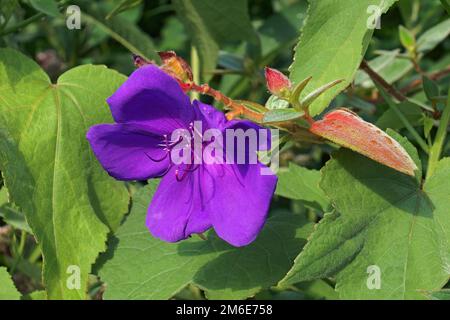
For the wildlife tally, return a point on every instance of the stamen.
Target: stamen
(157, 160)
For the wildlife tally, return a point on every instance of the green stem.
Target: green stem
(195, 64)
(403, 119)
(22, 24)
(23, 240)
(441, 135)
(35, 254)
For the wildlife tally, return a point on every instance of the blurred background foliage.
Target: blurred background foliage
(232, 59)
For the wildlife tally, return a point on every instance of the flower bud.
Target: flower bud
(277, 83)
(175, 66)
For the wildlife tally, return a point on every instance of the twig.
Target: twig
(418, 82)
(236, 109)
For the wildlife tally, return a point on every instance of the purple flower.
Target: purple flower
(191, 198)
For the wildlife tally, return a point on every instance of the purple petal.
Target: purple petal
(212, 118)
(152, 97)
(239, 206)
(177, 209)
(125, 151)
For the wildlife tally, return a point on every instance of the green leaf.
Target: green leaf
(388, 65)
(275, 102)
(8, 290)
(36, 295)
(142, 267)
(407, 38)
(126, 33)
(280, 115)
(311, 97)
(333, 42)
(213, 23)
(49, 170)
(428, 124)
(431, 88)
(432, 37)
(385, 219)
(7, 8)
(10, 214)
(412, 113)
(123, 6)
(443, 294)
(49, 7)
(446, 5)
(299, 183)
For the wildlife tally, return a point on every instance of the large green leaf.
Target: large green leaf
(49, 169)
(387, 220)
(211, 23)
(143, 267)
(7, 289)
(332, 44)
(299, 183)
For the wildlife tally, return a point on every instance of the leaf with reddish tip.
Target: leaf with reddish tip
(345, 128)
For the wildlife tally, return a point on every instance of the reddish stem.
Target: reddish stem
(236, 109)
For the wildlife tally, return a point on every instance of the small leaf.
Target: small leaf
(11, 214)
(412, 112)
(123, 6)
(348, 130)
(49, 7)
(430, 87)
(427, 126)
(306, 101)
(432, 37)
(407, 38)
(275, 102)
(7, 289)
(7, 9)
(280, 115)
(295, 96)
(446, 5)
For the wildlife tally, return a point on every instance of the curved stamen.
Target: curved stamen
(157, 160)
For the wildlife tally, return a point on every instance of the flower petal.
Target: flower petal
(241, 199)
(212, 118)
(126, 151)
(152, 97)
(177, 209)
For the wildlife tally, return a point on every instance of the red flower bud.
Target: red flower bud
(277, 83)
